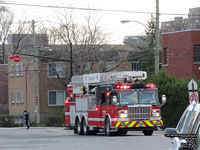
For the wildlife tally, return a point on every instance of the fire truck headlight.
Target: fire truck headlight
(123, 114)
(155, 113)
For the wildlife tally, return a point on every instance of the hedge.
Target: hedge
(176, 91)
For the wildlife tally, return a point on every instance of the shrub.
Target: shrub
(176, 91)
(11, 121)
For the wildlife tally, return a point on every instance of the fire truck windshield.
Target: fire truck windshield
(128, 97)
(146, 97)
(138, 97)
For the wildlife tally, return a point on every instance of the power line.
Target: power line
(88, 9)
(43, 57)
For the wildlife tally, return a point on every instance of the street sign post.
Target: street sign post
(193, 94)
(17, 58)
(192, 85)
(34, 98)
(194, 97)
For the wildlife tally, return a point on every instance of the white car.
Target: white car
(186, 136)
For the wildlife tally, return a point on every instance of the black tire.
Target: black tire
(107, 128)
(85, 128)
(79, 127)
(148, 132)
(75, 130)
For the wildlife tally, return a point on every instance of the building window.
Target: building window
(136, 66)
(56, 98)
(17, 97)
(165, 56)
(11, 70)
(22, 70)
(197, 53)
(17, 69)
(12, 97)
(22, 98)
(56, 68)
(139, 66)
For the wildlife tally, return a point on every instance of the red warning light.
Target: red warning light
(121, 87)
(152, 86)
(128, 86)
(108, 94)
(118, 86)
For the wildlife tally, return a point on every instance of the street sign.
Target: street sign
(192, 86)
(34, 98)
(194, 97)
(17, 58)
(70, 89)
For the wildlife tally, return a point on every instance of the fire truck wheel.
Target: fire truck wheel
(107, 127)
(79, 128)
(148, 132)
(85, 128)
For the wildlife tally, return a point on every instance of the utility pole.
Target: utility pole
(71, 67)
(157, 40)
(35, 73)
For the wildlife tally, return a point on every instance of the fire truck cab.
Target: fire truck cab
(113, 103)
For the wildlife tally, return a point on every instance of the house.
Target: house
(181, 53)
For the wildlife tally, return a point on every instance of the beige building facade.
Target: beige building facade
(42, 99)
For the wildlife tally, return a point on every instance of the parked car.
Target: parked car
(186, 136)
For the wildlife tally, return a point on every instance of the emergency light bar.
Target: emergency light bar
(134, 86)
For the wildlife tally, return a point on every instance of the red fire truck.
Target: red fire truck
(112, 102)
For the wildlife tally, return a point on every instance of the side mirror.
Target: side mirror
(164, 99)
(170, 132)
(84, 90)
(114, 99)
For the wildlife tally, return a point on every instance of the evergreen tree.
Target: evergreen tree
(151, 33)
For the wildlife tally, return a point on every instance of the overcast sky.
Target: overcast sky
(110, 21)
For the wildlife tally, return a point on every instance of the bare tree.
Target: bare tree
(84, 35)
(6, 20)
(19, 34)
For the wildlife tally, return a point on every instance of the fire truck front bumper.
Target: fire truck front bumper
(139, 124)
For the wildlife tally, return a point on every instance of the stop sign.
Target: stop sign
(17, 58)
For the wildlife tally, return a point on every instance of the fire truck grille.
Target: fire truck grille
(140, 113)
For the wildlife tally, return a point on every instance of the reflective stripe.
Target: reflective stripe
(132, 124)
(96, 119)
(149, 123)
(117, 125)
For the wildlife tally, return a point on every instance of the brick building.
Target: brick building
(4, 89)
(181, 53)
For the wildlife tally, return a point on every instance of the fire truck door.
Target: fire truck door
(102, 111)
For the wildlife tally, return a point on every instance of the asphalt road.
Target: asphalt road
(60, 139)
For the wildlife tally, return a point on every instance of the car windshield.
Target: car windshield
(143, 97)
(146, 97)
(185, 124)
